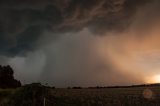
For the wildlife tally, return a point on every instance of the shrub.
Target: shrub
(29, 95)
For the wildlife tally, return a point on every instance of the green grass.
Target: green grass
(5, 95)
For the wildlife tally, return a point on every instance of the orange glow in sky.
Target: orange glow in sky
(132, 56)
(154, 79)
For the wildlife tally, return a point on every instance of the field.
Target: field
(32, 95)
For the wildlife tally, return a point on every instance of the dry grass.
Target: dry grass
(136, 96)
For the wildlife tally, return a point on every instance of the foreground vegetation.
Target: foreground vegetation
(38, 95)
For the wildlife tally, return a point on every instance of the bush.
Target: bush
(77, 88)
(29, 95)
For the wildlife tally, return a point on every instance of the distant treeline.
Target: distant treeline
(103, 87)
(142, 85)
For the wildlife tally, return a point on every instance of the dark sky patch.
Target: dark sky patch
(23, 21)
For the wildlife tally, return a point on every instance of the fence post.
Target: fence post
(44, 101)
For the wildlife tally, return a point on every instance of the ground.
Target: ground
(35, 96)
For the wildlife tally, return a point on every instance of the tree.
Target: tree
(7, 79)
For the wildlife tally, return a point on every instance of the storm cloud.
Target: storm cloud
(22, 22)
(60, 41)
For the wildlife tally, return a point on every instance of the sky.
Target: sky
(81, 42)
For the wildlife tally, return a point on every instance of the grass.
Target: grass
(5, 95)
(104, 97)
(33, 95)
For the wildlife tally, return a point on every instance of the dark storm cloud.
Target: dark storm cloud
(55, 42)
(23, 21)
